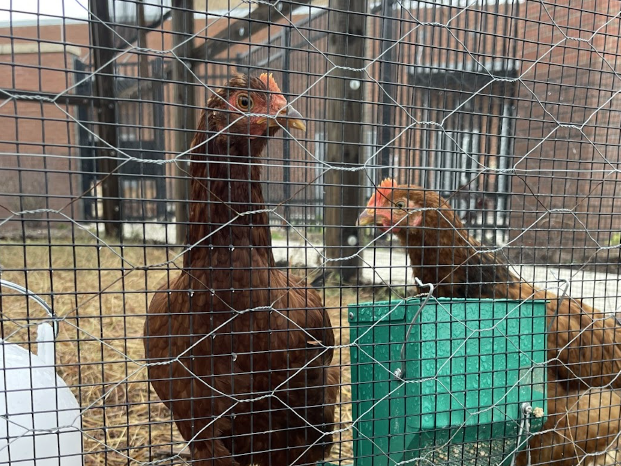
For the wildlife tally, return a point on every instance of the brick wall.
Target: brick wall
(559, 168)
(40, 161)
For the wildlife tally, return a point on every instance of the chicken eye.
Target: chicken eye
(400, 205)
(244, 102)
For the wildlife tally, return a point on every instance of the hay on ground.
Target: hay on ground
(100, 295)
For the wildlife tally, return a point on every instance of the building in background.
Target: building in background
(502, 111)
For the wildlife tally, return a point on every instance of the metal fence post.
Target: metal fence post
(103, 56)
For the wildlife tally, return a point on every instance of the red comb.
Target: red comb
(383, 190)
(270, 82)
(388, 183)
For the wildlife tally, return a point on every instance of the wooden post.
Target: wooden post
(184, 113)
(143, 58)
(103, 55)
(286, 144)
(387, 124)
(345, 135)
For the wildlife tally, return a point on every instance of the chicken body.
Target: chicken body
(582, 428)
(584, 345)
(238, 350)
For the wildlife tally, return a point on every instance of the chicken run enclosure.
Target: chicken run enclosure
(325, 232)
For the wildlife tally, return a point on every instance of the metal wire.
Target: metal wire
(506, 109)
(35, 298)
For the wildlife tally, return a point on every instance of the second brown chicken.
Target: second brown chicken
(584, 344)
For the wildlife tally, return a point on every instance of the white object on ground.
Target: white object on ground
(40, 422)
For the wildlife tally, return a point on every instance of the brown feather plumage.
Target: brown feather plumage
(228, 340)
(583, 343)
(582, 428)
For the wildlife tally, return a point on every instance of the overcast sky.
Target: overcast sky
(27, 10)
(20, 11)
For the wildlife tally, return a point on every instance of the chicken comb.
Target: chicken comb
(270, 82)
(384, 190)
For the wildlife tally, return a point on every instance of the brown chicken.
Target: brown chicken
(583, 427)
(239, 350)
(583, 349)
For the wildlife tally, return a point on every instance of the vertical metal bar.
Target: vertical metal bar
(103, 55)
(158, 134)
(286, 150)
(184, 115)
(87, 163)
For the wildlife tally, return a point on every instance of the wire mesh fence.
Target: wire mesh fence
(316, 232)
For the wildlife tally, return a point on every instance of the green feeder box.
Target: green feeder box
(467, 387)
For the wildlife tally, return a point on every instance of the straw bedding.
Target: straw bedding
(99, 292)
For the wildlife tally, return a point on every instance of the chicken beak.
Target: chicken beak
(367, 217)
(293, 119)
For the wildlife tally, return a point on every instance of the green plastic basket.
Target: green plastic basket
(455, 394)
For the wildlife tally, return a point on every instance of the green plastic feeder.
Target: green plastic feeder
(460, 391)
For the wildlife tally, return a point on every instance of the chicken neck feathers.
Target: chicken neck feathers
(583, 343)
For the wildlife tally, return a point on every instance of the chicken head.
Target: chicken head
(253, 107)
(391, 207)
